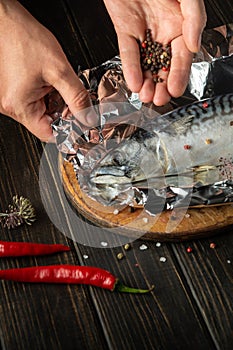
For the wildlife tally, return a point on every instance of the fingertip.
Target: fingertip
(87, 116)
(80, 105)
(41, 127)
(177, 83)
(180, 68)
(130, 58)
(162, 96)
(133, 77)
(147, 91)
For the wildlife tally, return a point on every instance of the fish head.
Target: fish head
(117, 173)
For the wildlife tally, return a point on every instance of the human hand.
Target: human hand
(171, 21)
(32, 63)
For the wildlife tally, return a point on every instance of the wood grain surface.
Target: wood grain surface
(191, 305)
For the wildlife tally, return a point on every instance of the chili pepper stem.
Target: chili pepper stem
(71, 274)
(120, 287)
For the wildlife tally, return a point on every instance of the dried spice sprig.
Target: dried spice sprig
(19, 212)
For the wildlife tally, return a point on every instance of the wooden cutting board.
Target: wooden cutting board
(174, 225)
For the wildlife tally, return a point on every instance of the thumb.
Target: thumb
(75, 96)
(194, 15)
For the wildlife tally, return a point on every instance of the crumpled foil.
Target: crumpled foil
(212, 69)
(121, 113)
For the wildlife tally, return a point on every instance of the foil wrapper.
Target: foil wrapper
(121, 113)
(212, 69)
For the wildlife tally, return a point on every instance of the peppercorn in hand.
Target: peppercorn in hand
(179, 23)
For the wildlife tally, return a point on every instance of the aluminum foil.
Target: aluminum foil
(121, 112)
(212, 69)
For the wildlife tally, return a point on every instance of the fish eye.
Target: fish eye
(117, 158)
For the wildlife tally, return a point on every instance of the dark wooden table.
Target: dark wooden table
(191, 306)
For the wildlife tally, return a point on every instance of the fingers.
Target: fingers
(130, 58)
(41, 128)
(180, 68)
(37, 121)
(174, 82)
(194, 15)
(67, 83)
(138, 81)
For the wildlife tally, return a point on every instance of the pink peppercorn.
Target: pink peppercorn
(187, 146)
(205, 105)
(212, 245)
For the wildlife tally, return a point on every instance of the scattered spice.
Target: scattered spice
(9, 249)
(120, 256)
(226, 167)
(143, 247)
(205, 104)
(187, 147)
(127, 246)
(19, 212)
(189, 250)
(104, 244)
(162, 259)
(208, 141)
(212, 245)
(69, 274)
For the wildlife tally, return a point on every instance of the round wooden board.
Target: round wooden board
(175, 225)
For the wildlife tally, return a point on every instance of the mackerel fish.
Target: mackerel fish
(189, 147)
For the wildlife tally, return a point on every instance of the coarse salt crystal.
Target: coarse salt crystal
(229, 261)
(116, 211)
(104, 244)
(143, 247)
(85, 256)
(145, 220)
(162, 259)
(158, 244)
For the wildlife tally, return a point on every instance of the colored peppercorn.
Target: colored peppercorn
(144, 45)
(69, 274)
(212, 245)
(154, 56)
(205, 105)
(187, 147)
(189, 250)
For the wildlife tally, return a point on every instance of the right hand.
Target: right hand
(179, 22)
(32, 63)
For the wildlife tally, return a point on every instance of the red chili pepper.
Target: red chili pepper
(71, 274)
(8, 249)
